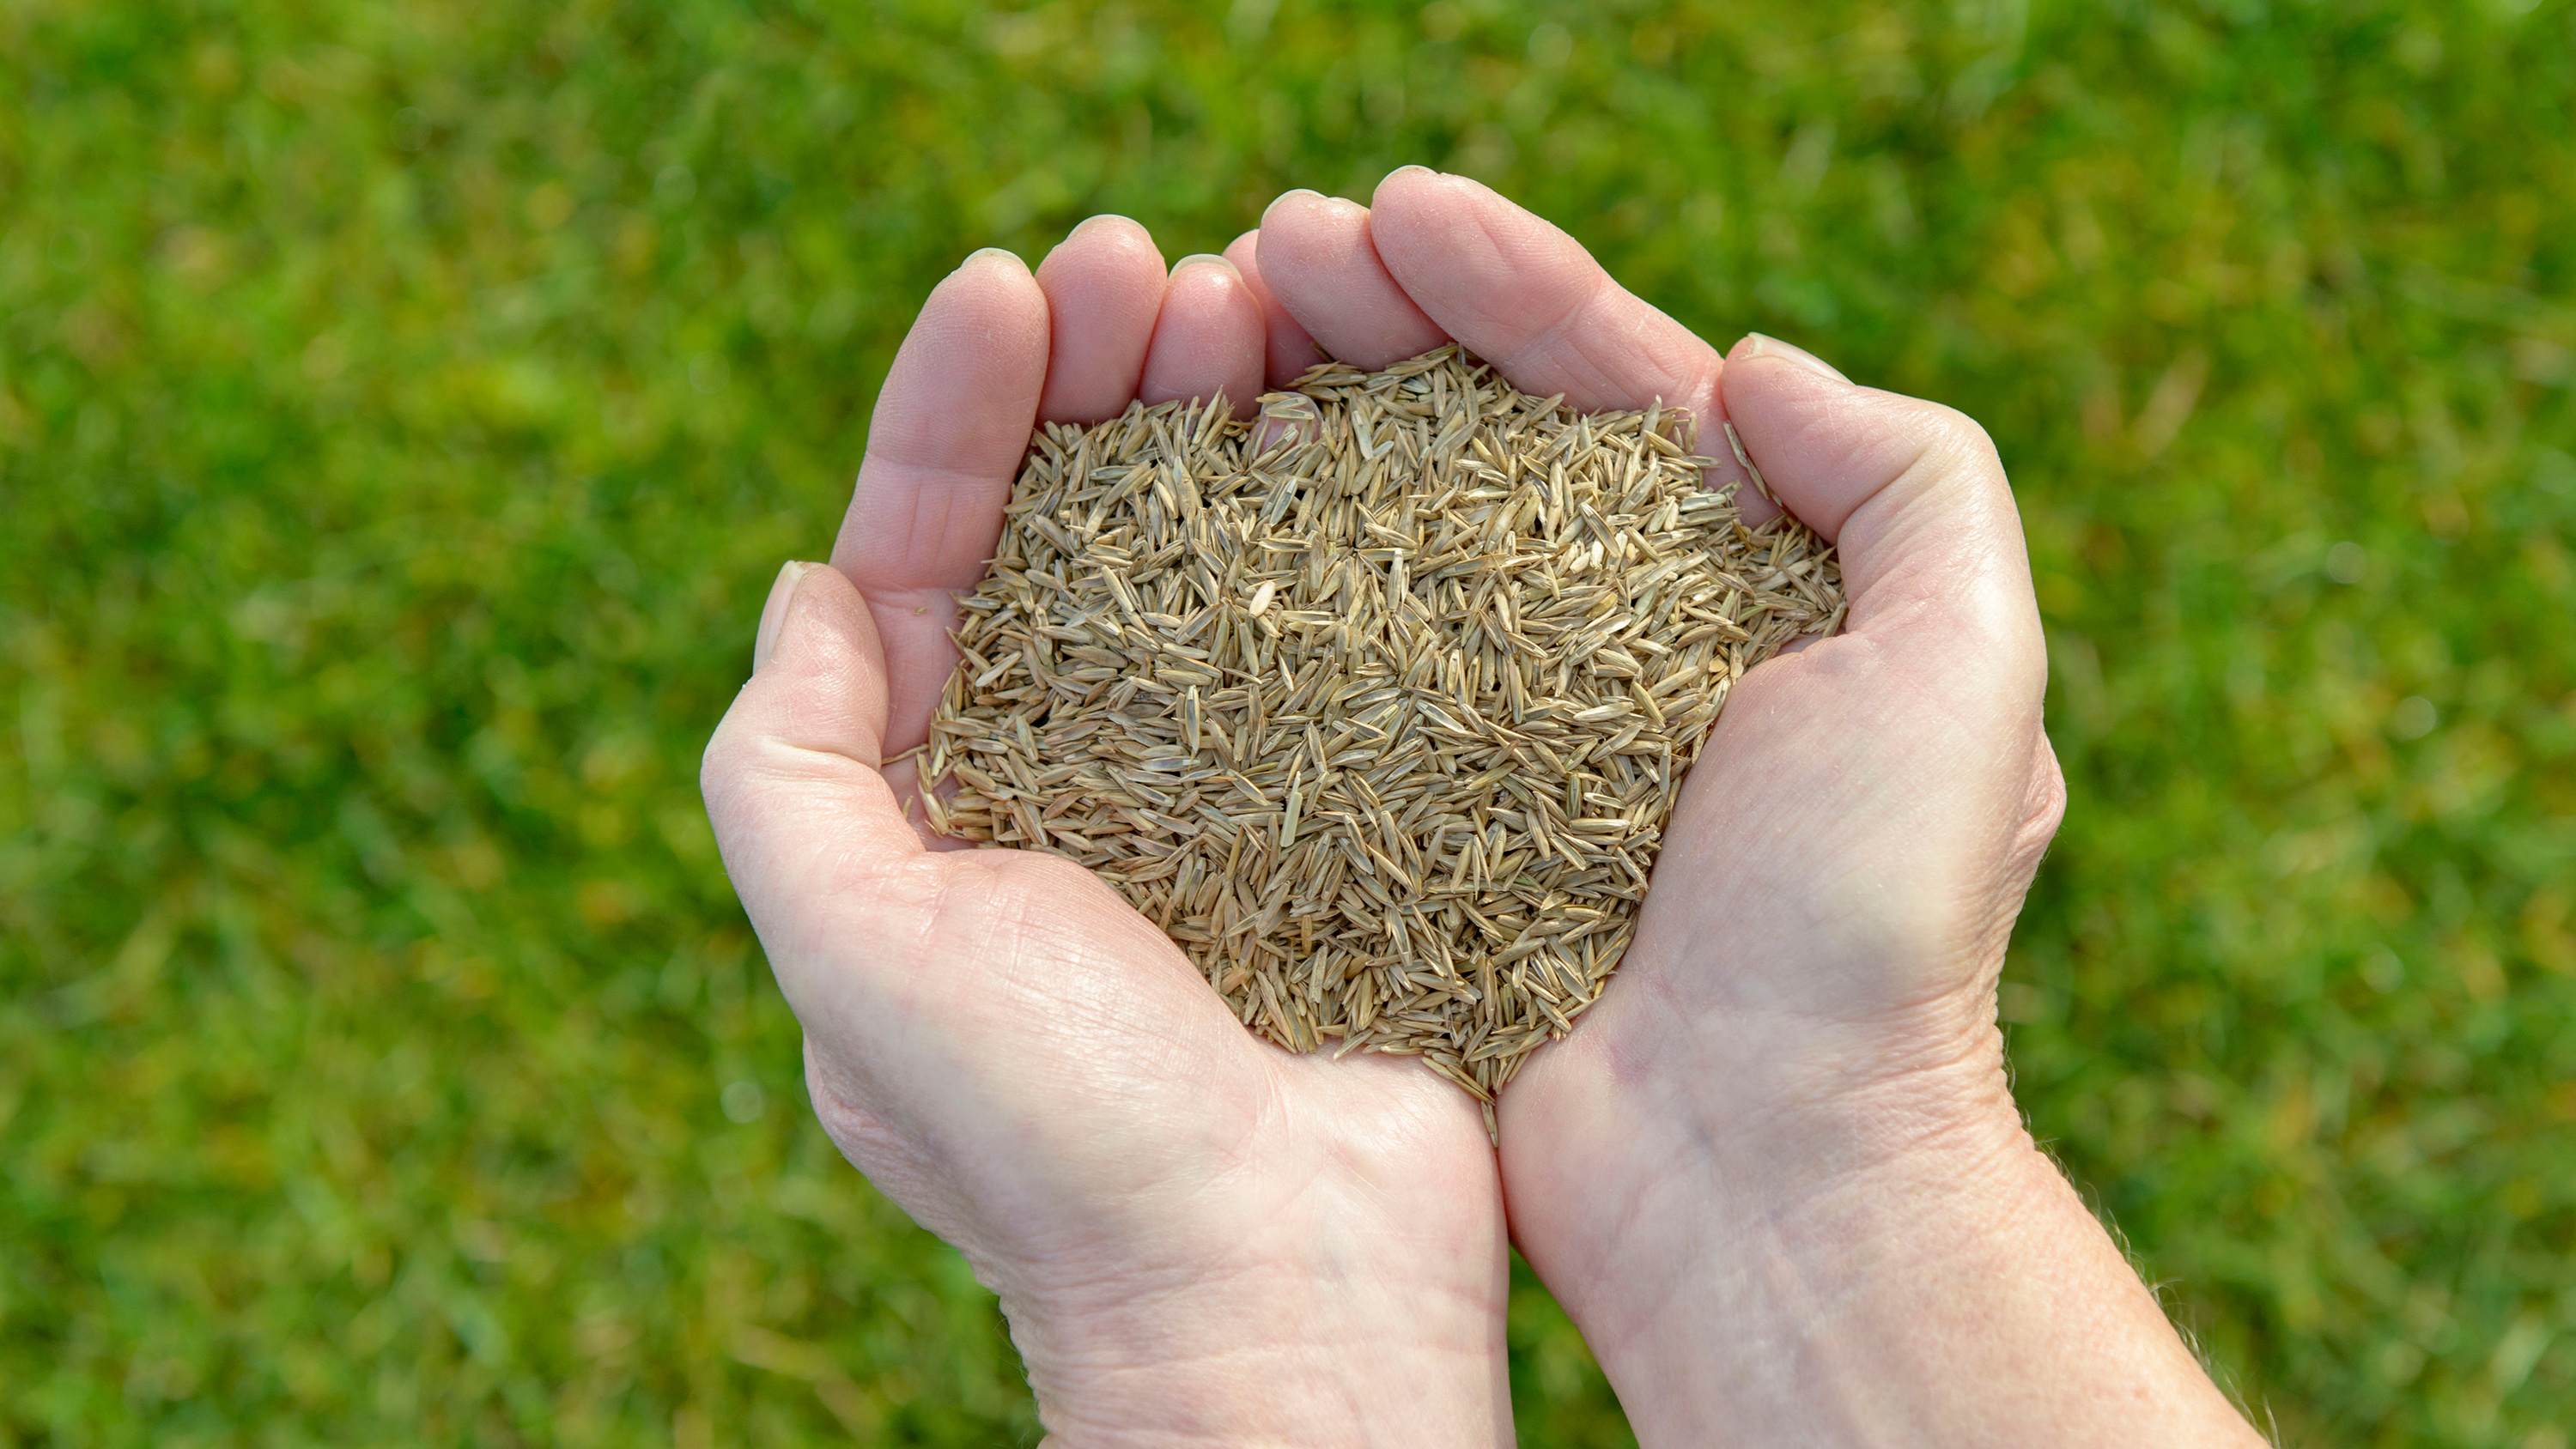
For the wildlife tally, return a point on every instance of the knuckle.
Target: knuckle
(721, 762)
(2048, 805)
(1962, 437)
(2044, 807)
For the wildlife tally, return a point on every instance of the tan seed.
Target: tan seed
(1382, 720)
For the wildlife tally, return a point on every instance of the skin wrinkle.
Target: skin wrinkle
(1593, 382)
(1275, 1119)
(924, 1147)
(934, 535)
(1325, 270)
(1545, 341)
(1226, 1362)
(1630, 1065)
(1660, 979)
(951, 916)
(1641, 1306)
(2017, 835)
(1893, 926)
(906, 903)
(987, 324)
(1800, 1098)
(1533, 251)
(1694, 1199)
(839, 781)
(1709, 1143)
(834, 871)
(1084, 994)
(1294, 1206)
(1940, 595)
(1854, 664)
(1297, 1207)
(1149, 1302)
(1914, 577)
(1776, 1271)
(1906, 491)
(1942, 571)
(1814, 1306)
(1879, 529)
(2044, 808)
(822, 760)
(918, 444)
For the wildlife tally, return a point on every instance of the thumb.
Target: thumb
(1913, 496)
(801, 809)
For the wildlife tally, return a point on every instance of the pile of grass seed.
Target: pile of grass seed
(1377, 704)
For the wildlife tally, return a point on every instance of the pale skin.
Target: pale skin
(1777, 1176)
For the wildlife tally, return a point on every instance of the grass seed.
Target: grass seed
(1376, 704)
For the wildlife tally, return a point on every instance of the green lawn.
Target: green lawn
(404, 406)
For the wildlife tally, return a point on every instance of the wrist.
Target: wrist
(1843, 1240)
(1632, 1180)
(1357, 1298)
(1320, 1259)
(1270, 1355)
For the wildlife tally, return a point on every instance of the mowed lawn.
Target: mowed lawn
(404, 407)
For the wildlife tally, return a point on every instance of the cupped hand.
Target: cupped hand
(1195, 1236)
(1776, 1174)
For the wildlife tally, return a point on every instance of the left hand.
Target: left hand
(1195, 1235)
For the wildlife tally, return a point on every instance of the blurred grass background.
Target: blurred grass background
(404, 406)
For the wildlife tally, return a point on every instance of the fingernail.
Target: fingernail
(1202, 259)
(980, 253)
(1413, 166)
(1774, 347)
(773, 612)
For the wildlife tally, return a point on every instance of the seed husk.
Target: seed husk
(1378, 703)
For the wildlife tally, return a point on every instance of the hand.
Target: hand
(1195, 1235)
(1776, 1175)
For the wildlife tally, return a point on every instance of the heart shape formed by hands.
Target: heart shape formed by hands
(1376, 704)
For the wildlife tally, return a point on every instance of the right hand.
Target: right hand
(1776, 1174)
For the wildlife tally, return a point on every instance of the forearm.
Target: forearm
(1892, 1262)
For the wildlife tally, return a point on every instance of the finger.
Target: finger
(1914, 498)
(1104, 285)
(945, 443)
(1316, 257)
(792, 778)
(1529, 299)
(1524, 296)
(1207, 341)
(1289, 351)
